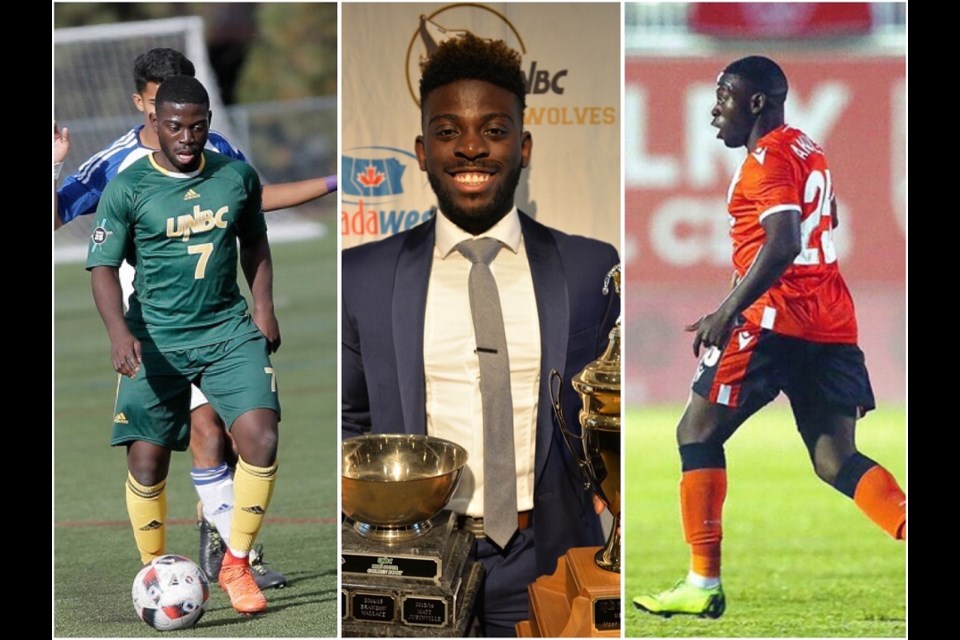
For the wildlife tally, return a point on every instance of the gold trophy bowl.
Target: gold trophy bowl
(392, 485)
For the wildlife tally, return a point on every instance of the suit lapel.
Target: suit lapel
(550, 288)
(409, 303)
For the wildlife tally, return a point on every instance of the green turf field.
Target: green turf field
(95, 559)
(800, 560)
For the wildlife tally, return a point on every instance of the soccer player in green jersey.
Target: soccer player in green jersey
(177, 215)
(212, 452)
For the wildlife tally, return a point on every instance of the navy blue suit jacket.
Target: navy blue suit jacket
(384, 295)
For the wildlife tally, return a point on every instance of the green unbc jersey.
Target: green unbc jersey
(180, 232)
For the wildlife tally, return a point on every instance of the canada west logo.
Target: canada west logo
(374, 172)
(373, 192)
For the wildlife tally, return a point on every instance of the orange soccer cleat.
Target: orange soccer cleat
(237, 580)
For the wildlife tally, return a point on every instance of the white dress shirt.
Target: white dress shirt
(451, 366)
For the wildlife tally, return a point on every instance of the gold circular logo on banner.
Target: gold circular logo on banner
(440, 26)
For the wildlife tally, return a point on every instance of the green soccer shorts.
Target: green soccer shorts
(235, 375)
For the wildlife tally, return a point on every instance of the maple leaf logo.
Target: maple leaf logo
(371, 177)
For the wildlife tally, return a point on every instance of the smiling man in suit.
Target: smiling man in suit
(451, 328)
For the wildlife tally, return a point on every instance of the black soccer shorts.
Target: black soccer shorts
(757, 364)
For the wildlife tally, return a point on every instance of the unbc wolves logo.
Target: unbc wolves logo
(447, 23)
(372, 177)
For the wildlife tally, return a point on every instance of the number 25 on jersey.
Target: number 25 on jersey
(817, 247)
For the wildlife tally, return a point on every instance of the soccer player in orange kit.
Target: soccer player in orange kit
(787, 325)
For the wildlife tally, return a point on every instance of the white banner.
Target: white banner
(571, 61)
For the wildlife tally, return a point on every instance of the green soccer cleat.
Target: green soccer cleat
(684, 598)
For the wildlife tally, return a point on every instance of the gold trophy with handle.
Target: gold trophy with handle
(598, 386)
(582, 597)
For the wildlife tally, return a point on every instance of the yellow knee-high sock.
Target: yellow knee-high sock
(147, 507)
(252, 490)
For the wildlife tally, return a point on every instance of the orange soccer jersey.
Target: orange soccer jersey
(788, 170)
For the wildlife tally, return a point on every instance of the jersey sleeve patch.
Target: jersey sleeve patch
(108, 240)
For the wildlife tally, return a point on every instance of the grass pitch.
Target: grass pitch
(799, 560)
(95, 559)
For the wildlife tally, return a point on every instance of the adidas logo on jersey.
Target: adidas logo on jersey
(150, 526)
(223, 508)
(120, 418)
(191, 195)
(256, 510)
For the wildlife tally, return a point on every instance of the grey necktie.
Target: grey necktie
(499, 461)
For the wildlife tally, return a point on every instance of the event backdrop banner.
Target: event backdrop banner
(571, 63)
(677, 232)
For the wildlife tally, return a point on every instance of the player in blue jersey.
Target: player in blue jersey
(80, 194)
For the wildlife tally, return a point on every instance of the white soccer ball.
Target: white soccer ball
(170, 593)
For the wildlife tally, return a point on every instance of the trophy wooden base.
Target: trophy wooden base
(423, 587)
(578, 600)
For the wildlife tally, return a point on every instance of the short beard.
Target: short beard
(477, 220)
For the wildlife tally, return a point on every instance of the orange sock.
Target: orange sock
(880, 497)
(702, 492)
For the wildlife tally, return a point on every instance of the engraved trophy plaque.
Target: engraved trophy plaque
(405, 568)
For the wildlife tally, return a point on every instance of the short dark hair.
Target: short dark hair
(763, 73)
(182, 90)
(159, 64)
(471, 58)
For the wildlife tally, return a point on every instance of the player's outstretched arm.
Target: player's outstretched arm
(61, 148)
(258, 269)
(125, 353)
(292, 194)
(781, 247)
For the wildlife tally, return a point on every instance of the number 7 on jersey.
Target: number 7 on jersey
(204, 250)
